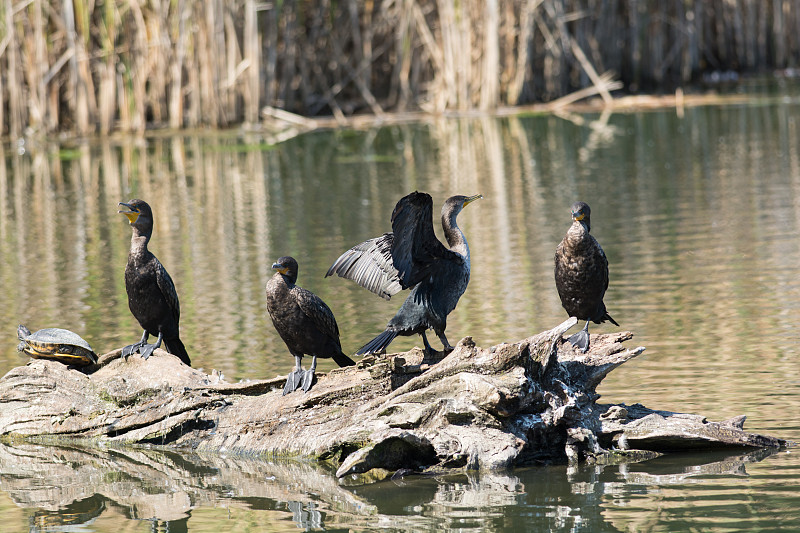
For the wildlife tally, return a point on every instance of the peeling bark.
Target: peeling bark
(528, 402)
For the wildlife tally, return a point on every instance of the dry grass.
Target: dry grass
(87, 66)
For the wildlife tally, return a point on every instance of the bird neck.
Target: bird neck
(454, 235)
(139, 242)
(577, 233)
(282, 281)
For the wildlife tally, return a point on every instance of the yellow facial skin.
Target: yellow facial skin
(282, 270)
(132, 215)
(472, 199)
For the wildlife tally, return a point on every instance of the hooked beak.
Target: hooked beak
(131, 212)
(280, 268)
(578, 216)
(472, 199)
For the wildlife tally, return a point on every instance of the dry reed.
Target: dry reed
(88, 66)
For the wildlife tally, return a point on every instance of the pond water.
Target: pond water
(698, 214)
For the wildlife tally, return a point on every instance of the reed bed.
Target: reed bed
(88, 66)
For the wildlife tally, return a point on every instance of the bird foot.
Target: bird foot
(309, 379)
(447, 348)
(580, 341)
(293, 381)
(132, 349)
(147, 350)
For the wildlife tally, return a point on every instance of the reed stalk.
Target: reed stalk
(87, 66)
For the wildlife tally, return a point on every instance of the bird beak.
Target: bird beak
(578, 216)
(282, 269)
(131, 212)
(472, 199)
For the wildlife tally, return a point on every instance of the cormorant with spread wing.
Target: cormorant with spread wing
(581, 272)
(304, 322)
(411, 257)
(152, 297)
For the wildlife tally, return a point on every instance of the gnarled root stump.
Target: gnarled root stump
(509, 405)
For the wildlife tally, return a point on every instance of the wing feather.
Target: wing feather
(401, 259)
(370, 265)
(318, 311)
(167, 287)
(604, 261)
(416, 252)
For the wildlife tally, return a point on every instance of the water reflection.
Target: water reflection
(699, 217)
(72, 489)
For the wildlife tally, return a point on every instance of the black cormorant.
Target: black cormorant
(152, 297)
(411, 257)
(304, 322)
(581, 273)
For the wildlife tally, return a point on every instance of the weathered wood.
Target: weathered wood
(509, 405)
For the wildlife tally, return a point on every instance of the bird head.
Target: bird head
(581, 213)
(286, 266)
(139, 214)
(454, 204)
(469, 199)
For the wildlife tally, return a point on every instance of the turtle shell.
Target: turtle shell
(57, 344)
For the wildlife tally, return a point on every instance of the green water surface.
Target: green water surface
(698, 214)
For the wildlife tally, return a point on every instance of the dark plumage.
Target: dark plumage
(304, 322)
(152, 297)
(581, 271)
(411, 257)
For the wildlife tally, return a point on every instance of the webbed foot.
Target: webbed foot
(580, 340)
(141, 345)
(309, 379)
(131, 349)
(147, 350)
(293, 381)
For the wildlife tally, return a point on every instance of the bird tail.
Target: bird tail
(379, 343)
(176, 348)
(342, 360)
(606, 316)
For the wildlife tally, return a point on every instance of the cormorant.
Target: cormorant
(411, 257)
(581, 272)
(152, 297)
(304, 322)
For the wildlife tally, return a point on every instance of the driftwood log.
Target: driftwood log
(529, 402)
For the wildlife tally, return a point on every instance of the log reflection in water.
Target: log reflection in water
(73, 485)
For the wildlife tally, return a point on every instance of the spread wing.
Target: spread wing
(168, 290)
(316, 310)
(370, 265)
(416, 252)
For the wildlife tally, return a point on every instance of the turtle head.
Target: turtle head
(139, 214)
(23, 333)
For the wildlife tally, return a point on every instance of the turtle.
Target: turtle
(58, 344)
